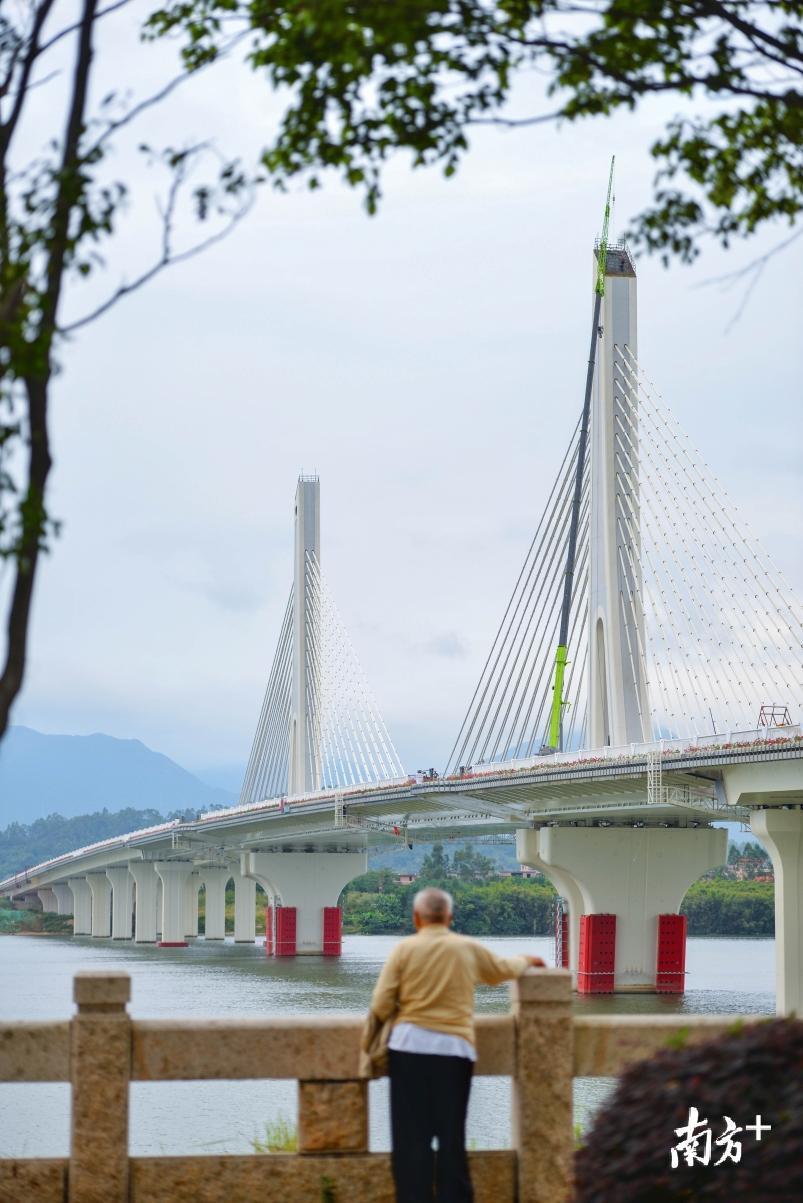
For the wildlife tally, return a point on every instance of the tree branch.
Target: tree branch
(165, 260)
(32, 510)
(754, 269)
(7, 129)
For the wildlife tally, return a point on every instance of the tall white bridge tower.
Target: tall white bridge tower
(305, 773)
(618, 711)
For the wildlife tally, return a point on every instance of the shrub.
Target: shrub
(756, 1070)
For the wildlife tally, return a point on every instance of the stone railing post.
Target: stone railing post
(333, 1117)
(543, 1130)
(100, 1072)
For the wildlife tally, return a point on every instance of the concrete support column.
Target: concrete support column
(245, 901)
(173, 875)
(48, 900)
(64, 900)
(215, 881)
(145, 919)
(308, 881)
(101, 890)
(190, 900)
(636, 874)
(159, 904)
(82, 906)
(527, 853)
(122, 884)
(781, 833)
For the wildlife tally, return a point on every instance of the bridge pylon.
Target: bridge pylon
(618, 709)
(305, 775)
(319, 727)
(623, 884)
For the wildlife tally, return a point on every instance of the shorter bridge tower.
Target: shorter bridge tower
(319, 730)
(305, 727)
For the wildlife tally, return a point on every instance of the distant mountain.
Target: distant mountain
(75, 774)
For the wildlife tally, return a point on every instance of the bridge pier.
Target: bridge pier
(64, 902)
(173, 875)
(309, 885)
(633, 873)
(122, 884)
(245, 901)
(781, 832)
(48, 900)
(100, 889)
(191, 887)
(145, 913)
(82, 906)
(214, 881)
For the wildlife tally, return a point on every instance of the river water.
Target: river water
(229, 980)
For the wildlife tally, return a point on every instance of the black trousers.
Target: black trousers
(429, 1097)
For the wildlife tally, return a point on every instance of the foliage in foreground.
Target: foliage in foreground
(363, 82)
(756, 1071)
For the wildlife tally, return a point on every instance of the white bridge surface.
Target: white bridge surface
(605, 784)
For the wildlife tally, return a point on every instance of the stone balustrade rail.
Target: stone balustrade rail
(541, 1046)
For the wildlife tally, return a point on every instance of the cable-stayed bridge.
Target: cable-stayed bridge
(641, 686)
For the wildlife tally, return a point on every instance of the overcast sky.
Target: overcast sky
(428, 363)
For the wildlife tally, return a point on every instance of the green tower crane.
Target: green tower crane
(554, 741)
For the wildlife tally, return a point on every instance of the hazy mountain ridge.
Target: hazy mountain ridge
(76, 774)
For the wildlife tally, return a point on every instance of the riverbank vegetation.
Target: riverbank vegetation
(734, 900)
(489, 905)
(31, 922)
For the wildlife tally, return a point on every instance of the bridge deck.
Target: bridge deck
(610, 785)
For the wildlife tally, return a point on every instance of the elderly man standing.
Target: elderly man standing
(427, 988)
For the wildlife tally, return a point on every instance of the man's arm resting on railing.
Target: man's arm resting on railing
(493, 969)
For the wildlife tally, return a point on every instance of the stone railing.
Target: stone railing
(541, 1046)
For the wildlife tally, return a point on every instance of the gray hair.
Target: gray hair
(433, 905)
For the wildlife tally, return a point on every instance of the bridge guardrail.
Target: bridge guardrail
(541, 1046)
(724, 739)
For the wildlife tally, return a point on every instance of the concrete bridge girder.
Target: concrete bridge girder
(635, 873)
(775, 784)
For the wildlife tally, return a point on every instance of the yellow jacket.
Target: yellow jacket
(429, 980)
